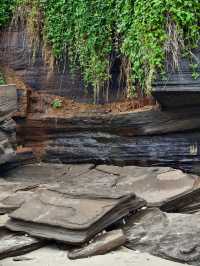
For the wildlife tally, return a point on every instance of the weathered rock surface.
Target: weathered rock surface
(157, 185)
(39, 73)
(144, 138)
(46, 173)
(179, 89)
(14, 194)
(8, 105)
(8, 101)
(188, 202)
(70, 220)
(171, 236)
(15, 52)
(101, 245)
(12, 244)
(164, 187)
(174, 97)
(21, 157)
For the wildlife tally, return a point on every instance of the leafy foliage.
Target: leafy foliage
(141, 33)
(5, 11)
(2, 80)
(56, 103)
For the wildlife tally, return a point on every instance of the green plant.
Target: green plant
(5, 11)
(56, 103)
(87, 33)
(2, 80)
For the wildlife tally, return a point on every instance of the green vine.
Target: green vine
(5, 11)
(142, 34)
(2, 79)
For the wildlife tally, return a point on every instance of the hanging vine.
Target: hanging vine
(143, 34)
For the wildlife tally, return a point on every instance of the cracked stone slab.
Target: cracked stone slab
(156, 185)
(13, 195)
(159, 186)
(46, 173)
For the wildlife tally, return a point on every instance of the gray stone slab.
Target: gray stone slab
(72, 220)
(156, 185)
(45, 173)
(171, 236)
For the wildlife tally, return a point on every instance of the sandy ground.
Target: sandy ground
(52, 256)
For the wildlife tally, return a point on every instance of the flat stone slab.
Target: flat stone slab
(75, 220)
(101, 245)
(46, 173)
(157, 185)
(12, 244)
(167, 235)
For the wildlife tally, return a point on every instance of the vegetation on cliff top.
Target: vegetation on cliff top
(90, 33)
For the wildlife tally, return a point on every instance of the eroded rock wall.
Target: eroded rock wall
(8, 105)
(40, 74)
(16, 53)
(147, 137)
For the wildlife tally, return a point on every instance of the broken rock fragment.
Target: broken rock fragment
(101, 245)
(12, 244)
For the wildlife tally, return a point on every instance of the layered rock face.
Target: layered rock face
(182, 78)
(16, 53)
(146, 138)
(8, 105)
(42, 75)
